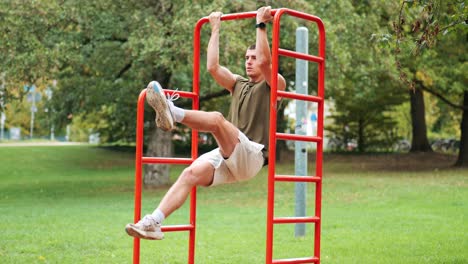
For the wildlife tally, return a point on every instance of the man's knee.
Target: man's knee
(218, 120)
(199, 173)
(190, 177)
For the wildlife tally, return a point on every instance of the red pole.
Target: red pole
(195, 106)
(138, 167)
(272, 137)
(319, 153)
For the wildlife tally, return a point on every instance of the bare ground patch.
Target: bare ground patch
(384, 161)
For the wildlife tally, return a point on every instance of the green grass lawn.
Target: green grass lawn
(70, 205)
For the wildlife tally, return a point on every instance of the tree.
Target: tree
(429, 35)
(363, 87)
(445, 78)
(104, 53)
(25, 56)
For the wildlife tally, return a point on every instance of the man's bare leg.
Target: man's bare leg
(199, 173)
(225, 133)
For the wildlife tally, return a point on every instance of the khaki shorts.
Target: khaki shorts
(244, 163)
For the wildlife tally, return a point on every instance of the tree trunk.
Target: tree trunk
(159, 146)
(462, 160)
(419, 143)
(160, 143)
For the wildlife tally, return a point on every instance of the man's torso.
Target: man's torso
(249, 110)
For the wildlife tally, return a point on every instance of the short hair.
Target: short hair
(252, 47)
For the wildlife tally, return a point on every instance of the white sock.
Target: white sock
(178, 112)
(158, 216)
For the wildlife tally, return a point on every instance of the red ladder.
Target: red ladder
(274, 136)
(276, 51)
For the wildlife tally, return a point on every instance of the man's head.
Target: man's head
(251, 66)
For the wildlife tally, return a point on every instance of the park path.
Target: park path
(40, 144)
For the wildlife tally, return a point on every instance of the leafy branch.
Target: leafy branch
(430, 28)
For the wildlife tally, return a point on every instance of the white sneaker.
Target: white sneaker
(146, 228)
(156, 98)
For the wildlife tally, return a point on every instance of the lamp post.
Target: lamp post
(32, 97)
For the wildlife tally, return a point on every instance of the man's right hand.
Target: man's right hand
(264, 14)
(215, 20)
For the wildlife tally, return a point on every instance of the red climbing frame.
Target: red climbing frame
(274, 136)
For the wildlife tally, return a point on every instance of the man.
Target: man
(242, 141)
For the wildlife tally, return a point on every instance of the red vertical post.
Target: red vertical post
(138, 168)
(272, 134)
(195, 106)
(319, 154)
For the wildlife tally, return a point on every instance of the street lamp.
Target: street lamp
(32, 97)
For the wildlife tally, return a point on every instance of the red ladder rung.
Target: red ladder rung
(286, 136)
(294, 220)
(176, 228)
(299, 55)
(293, 178)
(153, 160)
(296, 260)
(305, 97)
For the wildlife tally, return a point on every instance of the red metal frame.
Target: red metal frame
(317, 179)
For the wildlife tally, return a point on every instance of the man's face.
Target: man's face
(251, 67)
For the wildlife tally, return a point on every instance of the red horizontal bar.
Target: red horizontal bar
(293, 220)
(236, 16)
(304, 97)
(296, 260)
(298, 137)
(176, 228)
(182, 93)
(299, 55)
(152, 160)
(290, 178)
(302, 15)
(239, 16)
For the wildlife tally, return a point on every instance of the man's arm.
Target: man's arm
(263, 48)
(222, 75)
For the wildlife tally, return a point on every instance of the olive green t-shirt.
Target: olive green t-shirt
(250, 110)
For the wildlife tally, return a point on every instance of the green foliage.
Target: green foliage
(84, 125)
(364, 90)
(430, 54)
(443, 121)
(104, 53)
(430, 46)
